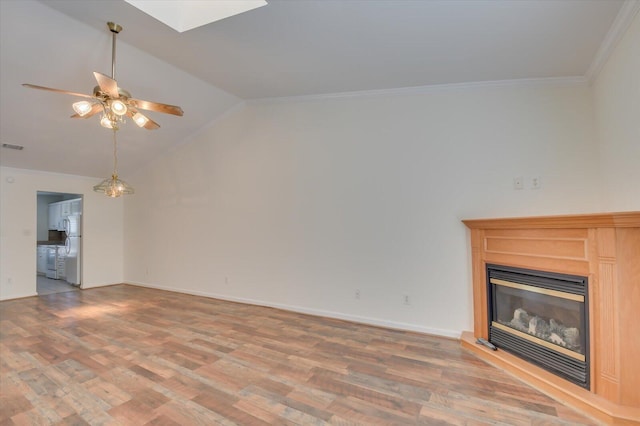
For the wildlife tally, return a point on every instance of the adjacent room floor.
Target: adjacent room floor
(49, 286)
(131, 355)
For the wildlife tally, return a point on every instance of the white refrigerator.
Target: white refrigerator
(72, 245)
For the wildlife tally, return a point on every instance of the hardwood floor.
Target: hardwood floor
(135, 356)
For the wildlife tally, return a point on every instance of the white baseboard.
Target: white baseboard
(316, 312)
(84, 286)
(17, 296)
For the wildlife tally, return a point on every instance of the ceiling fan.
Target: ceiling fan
(112, 101)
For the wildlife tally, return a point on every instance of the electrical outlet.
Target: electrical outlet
(518, 182)
(405, 299)
(536, 182)
(357, 294)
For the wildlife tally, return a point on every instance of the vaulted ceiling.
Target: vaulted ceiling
(287, 48)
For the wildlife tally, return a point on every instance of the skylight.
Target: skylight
(185, 15)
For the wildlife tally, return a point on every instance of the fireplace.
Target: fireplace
(541, 317)
(597, 253)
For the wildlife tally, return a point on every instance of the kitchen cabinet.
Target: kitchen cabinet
(54, 216)
(65, 208)
(42, 260)
(59, 211)
(76, 206)
(60, 267)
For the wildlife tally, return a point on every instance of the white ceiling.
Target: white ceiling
(287, 48)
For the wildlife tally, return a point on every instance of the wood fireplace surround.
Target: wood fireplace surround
(606, 249)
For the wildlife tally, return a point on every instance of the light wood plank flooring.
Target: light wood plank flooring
(135, 356)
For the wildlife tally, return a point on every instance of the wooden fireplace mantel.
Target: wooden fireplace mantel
(605, 248)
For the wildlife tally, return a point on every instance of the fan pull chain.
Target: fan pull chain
(115, 154)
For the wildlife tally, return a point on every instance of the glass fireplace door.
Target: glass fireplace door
(541, 317)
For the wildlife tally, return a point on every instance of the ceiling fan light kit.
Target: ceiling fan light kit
(82, 108)
(117, 107)
(108, 123)
(115, 104)
(140, 119)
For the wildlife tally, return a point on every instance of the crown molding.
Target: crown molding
(620, 25)
(436, 88)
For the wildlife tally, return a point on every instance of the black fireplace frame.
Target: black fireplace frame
(562, 365)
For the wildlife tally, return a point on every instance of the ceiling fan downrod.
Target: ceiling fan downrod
(115, 29)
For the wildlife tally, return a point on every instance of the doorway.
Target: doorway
(58, 242)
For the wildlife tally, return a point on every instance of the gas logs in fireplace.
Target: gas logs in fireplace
(541, 317)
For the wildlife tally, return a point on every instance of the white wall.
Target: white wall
(299, 203)
(102, 230)
(617, 106)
